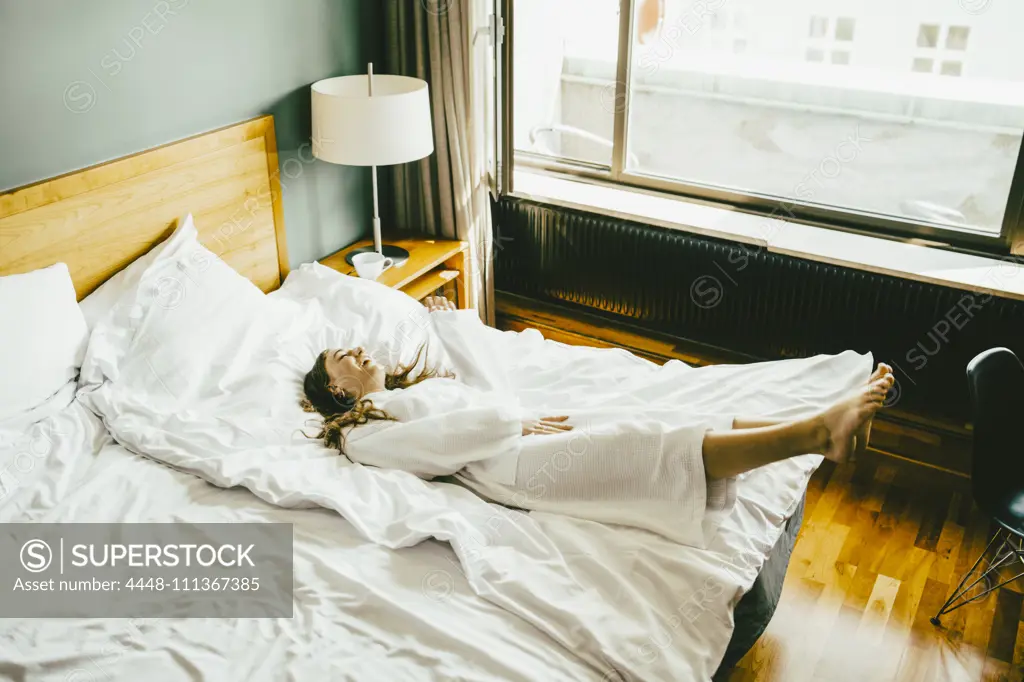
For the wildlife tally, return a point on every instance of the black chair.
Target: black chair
(996, 383)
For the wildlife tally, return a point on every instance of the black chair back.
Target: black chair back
(996, 382)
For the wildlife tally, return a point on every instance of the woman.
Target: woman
(658, 468)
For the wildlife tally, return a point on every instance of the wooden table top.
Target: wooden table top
(424, 254)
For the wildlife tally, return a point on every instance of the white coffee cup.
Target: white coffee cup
(370, 265)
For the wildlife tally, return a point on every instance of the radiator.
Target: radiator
(752, 301)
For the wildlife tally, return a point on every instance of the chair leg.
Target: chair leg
(1003, 552)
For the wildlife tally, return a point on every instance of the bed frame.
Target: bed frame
(100, 219)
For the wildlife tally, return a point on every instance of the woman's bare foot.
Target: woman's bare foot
(863, 434)
(880, 371)
(435, 304)
(847, 419)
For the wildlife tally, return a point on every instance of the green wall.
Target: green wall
(87, 81)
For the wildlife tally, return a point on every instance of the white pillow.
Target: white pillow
(101, 301)
(186, 331)
(43, 339)
(389, 324)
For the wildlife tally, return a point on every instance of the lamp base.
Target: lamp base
(395, 253)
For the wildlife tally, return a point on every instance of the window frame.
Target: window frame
(1010, 240)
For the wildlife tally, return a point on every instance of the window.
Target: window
(957, 37)
(844, 28)
(819, 27)
(951, 68)
(928, 35)
(822, 44)
(940, 46)
(923, 65)
(787, 111)
(564, 75)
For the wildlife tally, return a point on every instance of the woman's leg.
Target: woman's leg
(831, 433)
(729, 453)
(756, 423)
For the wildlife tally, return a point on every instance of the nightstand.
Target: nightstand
(433, 264)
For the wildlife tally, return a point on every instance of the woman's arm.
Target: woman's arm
(442, 426)
(438, 445)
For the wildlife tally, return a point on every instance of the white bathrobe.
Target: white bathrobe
(629, 466)
(634, 457)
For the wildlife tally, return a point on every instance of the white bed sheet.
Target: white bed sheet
(362, 612)
(626, 603)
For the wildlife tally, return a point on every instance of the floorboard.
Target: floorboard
(877, 556)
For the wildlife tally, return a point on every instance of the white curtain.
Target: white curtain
(447, 194)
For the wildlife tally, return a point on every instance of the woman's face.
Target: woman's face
(352, 373)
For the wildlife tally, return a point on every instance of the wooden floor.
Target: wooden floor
(882, 546)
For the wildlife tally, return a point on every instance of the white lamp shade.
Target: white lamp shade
(354, 129)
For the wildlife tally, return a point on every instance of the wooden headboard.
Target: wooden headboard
(100, 219)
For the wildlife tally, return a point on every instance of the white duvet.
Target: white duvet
(361, 612)
(208, 383)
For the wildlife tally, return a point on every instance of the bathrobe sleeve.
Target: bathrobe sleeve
(442, 426)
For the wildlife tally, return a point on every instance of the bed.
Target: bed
(368, 605)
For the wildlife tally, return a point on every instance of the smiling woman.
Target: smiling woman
(337, 385)
(340, 381)
(352, 373)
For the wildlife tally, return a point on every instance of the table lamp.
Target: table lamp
(372, 121)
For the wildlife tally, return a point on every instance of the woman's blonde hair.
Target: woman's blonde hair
(342, 413)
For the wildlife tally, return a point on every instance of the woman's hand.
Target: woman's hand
(435, 304)
(545, 425)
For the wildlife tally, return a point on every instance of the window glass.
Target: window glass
(844, 28)
(957, 37)
(928, 36)
(778, 121)
(564, 77)
(910, 112)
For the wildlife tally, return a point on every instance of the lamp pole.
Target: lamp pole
(377, 242)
